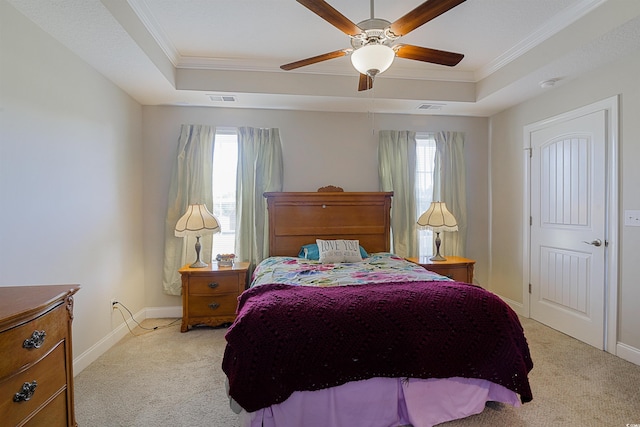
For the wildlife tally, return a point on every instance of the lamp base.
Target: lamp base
(198, 264)
(437, 257)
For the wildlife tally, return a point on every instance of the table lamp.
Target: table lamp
(197, 221)
(438, 218)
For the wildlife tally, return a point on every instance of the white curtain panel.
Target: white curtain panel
(191, 182)
(397, 173)
(260, 169)
(450, 187)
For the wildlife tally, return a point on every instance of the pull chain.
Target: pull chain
(373, 106)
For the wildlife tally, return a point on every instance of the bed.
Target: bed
(372, 342)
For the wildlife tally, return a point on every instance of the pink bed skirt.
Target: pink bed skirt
(383, 402)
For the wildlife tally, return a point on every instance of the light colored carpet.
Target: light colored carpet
(167, 378)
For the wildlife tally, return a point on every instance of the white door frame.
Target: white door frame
(610, 106)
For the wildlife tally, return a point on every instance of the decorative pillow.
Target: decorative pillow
(311, 252)
(363, 253)
(332, 251)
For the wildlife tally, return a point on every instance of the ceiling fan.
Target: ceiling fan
(372, 40)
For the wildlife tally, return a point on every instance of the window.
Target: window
(425, 156)
(225, 160)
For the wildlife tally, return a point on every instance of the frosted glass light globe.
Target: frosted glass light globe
(372, 59)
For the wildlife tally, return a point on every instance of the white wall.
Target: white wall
(507, 183)
(70, 179)
(319, 149)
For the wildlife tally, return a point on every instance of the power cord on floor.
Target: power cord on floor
(118, 304)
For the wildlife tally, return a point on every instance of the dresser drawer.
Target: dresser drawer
(219, 284)
(54, 414)
(16, 354)
(220, 305)
(50, 376)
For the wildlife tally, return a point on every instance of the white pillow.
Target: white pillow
(332, 251)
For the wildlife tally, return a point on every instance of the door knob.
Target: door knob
(596, 242)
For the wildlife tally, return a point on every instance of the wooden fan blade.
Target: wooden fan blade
(426, 54)
(332, 16)
(315, 59)
(365, 82)
(422, 14)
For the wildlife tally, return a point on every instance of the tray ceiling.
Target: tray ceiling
(203, 52)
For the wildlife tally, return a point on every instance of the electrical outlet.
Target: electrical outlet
(113, 303)
(632, 218)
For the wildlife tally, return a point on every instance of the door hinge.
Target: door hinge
(530, 150)
(530, 221)
(529, 287)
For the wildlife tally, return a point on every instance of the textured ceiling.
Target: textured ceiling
(179, 52)
(280, 31)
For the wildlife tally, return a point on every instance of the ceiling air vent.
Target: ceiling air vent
(222, 98)
(431, 106)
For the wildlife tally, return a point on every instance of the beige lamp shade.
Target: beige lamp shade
(197, 221)
(438, 218)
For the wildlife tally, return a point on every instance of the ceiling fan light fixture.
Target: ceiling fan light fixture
(372, 59)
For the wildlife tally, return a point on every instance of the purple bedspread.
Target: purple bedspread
(292, 338)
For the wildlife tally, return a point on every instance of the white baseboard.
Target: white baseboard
(628, 353)
(164, 312)
(515, 306)
(623, 351)
(92, 353)
(98, 349)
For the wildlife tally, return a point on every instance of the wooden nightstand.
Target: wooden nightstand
(210, 294)
(455, 267)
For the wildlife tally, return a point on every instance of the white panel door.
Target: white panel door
(568, 206)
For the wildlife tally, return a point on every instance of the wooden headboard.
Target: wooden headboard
(298, 218)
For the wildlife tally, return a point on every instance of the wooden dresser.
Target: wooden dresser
(210, 294)
(36, 363)
(455, 267)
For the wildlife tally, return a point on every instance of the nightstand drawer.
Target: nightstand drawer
(219, 284)
(220, 305)
(210, 294)
(454, 267)
(457, 273)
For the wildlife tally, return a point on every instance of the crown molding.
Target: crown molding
(142, 10)
(552, 27)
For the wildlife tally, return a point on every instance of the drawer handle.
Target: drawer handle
(26, 392)
(213, 285)
(36, 340)
(214, 305)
